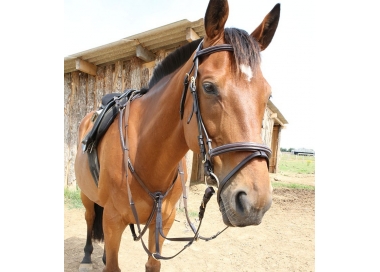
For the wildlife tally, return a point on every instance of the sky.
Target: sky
(286, 63)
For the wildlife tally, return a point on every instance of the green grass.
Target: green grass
(292, 186)
(296, 164)
(72, 198)
(293, 164)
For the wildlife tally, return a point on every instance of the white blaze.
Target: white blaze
(245, 69)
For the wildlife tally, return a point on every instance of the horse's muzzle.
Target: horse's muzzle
(239, 209)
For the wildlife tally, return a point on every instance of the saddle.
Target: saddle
(102, 119)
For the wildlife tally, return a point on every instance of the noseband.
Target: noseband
(258, 150)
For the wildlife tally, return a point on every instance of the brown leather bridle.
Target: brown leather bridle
(258, 150)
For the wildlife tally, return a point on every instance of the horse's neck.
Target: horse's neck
(156, 134)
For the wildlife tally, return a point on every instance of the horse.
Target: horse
(208, 96)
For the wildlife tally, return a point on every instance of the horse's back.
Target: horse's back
(83, 175)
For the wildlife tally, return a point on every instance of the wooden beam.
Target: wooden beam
(273, 115)
(149, 64)
(279, 122)
(86, 67)
(191, 35)
(144, 54)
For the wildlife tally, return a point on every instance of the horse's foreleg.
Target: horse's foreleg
(90, 217)
(153, 265)
(113, 227)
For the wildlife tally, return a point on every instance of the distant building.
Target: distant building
(303, 151)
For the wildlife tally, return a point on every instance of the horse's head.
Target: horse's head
(232, 95)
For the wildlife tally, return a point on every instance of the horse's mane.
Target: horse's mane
(171, 63)
(246, 51)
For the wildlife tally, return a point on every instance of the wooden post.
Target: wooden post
(135, 73)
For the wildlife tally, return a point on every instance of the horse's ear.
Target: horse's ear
(265, 31)
(215, 19)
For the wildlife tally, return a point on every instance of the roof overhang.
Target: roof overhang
(144, 45)
(277, 115)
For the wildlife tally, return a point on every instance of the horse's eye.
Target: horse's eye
(210, 88)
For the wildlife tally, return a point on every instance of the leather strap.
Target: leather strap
(209, 192)
(198, 53)
(157, 197)
(239, 146)
(213, 49)
(257, 153)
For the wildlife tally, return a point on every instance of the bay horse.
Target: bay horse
(208, 96)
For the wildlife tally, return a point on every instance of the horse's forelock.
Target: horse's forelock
(246, 48)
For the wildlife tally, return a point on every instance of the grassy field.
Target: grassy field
(296, 164)
(293, 164)
(292, 186)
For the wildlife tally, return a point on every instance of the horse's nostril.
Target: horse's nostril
(242, 205)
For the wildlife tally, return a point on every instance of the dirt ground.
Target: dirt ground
(284, 241)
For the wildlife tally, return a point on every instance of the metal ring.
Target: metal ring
(215, 177)
(154, 257)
